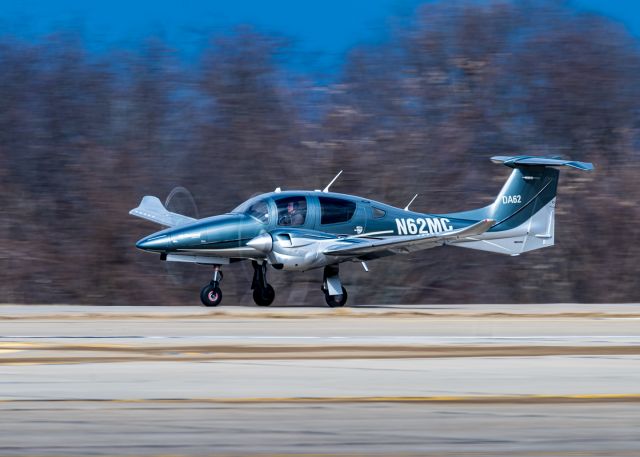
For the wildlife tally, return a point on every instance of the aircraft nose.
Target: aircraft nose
(154, 243)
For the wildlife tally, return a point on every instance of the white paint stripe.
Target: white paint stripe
(346, 338)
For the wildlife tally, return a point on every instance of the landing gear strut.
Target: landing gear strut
(334, 293)
(263, 293)
(211, 295)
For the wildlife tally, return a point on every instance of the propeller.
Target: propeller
(181, 201)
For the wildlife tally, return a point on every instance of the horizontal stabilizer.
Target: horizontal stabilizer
(520, 161)
(152, 209)
(361, 246)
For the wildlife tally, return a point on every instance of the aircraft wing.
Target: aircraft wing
(360, 246)
(152, 209)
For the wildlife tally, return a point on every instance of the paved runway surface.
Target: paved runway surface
(446, 380)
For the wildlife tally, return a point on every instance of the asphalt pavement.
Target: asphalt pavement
(459, 380)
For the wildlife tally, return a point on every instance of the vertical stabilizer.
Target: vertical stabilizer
(524, 209)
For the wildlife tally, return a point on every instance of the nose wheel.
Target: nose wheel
(263, 292)
(211, 294)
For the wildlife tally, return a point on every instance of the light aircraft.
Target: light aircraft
(304, 230)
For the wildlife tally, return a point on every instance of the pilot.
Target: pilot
(295, 216)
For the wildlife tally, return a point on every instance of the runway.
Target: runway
(446, 380)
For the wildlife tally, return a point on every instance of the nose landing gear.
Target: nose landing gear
(211, 295)
(263, 293)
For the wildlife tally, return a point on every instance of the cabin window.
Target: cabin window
(378, 213)
(259, 210)
(335, 210)
(292, 211)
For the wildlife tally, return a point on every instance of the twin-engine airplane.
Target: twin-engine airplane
(304, 230)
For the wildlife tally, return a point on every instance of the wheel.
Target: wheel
(264, 297)
(335, 301)
(210, 296)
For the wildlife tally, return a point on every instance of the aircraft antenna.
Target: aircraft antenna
(326, 189)
(406, 208)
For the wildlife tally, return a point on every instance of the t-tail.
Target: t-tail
(524, 210)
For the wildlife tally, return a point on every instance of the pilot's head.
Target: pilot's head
(292, 207)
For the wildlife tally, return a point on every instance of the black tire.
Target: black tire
(210, 296)
(264, 297)
(336, 301)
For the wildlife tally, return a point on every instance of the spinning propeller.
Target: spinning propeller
(181, 201)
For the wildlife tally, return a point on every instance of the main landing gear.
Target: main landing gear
(334, 293)
(263, 293)
(211, 295)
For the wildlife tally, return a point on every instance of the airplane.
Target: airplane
(304, 230)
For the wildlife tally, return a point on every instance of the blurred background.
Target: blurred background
(104, 102)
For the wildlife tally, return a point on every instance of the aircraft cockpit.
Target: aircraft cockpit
(292, 211)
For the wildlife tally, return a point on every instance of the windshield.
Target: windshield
(258, 209)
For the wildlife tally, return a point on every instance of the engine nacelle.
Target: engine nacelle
(293, 249)
(296, 250)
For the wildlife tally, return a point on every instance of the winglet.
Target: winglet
(476, 229)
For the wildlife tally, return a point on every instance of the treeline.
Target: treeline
(84, 135)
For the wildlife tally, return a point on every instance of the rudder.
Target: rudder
(524, 209)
